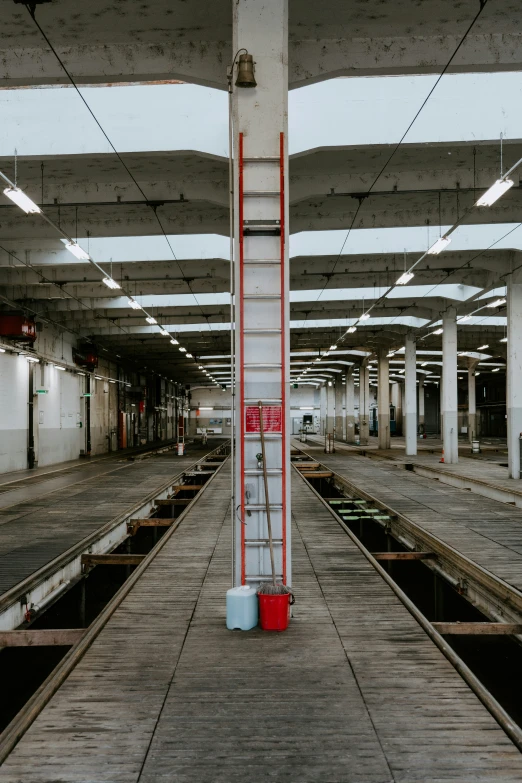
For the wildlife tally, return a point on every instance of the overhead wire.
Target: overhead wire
(32, 13)
(482, 4)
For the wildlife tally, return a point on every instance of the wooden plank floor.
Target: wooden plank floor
(487, 531)
(353, 692)
(35, 530)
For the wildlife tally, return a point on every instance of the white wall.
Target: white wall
(14, 396)
(210, 397)
(58, 413)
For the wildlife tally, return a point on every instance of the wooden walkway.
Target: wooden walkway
(353, 692)
(487, 531)
(35, 529)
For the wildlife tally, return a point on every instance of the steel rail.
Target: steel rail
(23, 720)
(504, 720)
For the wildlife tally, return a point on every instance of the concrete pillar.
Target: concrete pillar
(396, 400)
(339, 407)
(472, 400)
(323, 410)
(421, 404)
(350, 407)
(514, 371)
(330, 406)
(410, 395)
(364, 403)
(450, 430)
(383, 400)
(260, 140)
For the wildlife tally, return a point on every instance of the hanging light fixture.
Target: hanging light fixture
(351, 329)
(493, 193)
(76, 250)
(110, 283)
(134, 304)
(21, 200)
(404, 278)
(439, 246)
(151, 320)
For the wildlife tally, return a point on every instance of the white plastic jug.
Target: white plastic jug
(242, 608)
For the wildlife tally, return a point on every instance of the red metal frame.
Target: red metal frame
(240, 325)
(241, 432)
(283, 339)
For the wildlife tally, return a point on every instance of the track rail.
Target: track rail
(19, 725)
(65, 569)
(492, 705)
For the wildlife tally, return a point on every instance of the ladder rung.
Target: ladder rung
(259, 471)
(263, 541)
(262, 193)
(260, 262)
(262, 507)
(262, 578)
(257, 436)
(261, 296)
(262, 159)
(265, 401)
(262, 366)
(261, 331)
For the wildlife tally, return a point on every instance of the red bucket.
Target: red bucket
(274, 611)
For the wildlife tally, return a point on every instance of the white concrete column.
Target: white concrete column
(514, 371)
(330, 406)
(262, 334)
(421, 404)
(339, 406)
(323, 410)
(364, 403)
(396, 399)
(350, 407)
(450, 430)
(472, 400)
(383, 399)
(410, 395)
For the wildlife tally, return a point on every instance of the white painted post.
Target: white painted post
(339, 406)
(410, 395)
(472, 400)
(323, 412)
(330, 407)
(383, 400)
(350, 407)
(514, 371)
(450, 430)
(421, 404)
(364, 403)
(262, 349)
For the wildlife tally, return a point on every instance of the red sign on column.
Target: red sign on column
(272, 418)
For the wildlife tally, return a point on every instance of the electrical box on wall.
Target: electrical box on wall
(18, 327)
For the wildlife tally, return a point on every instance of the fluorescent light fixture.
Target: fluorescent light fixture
(332, 348)
(183, 350)
(206, 409)
(98, 378)
(164, 333)
(112, 381)
(503, 340)
(318, 359)
(424, 364)
(491, 195)
(132, 303)
(389, 355)
(80, 373)
(189, 356)
(24, 202)
(404, 278)
(351, 329)
(438, 331)
(174, 341)
(110, 283)
(463, 318)
(364, 317)
(200, 367)
(76, 250)
(496, 303)
(58, 367)
(2, 350)
(482, 347)
(439, 246)
(32, 359)
(305, 408)
(496, 369)
(477, 373)
(150, 320)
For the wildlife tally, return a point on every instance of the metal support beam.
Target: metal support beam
(514, 371)
(410, 394)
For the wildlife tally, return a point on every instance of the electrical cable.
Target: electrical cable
(32, 13)
(483, 4)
